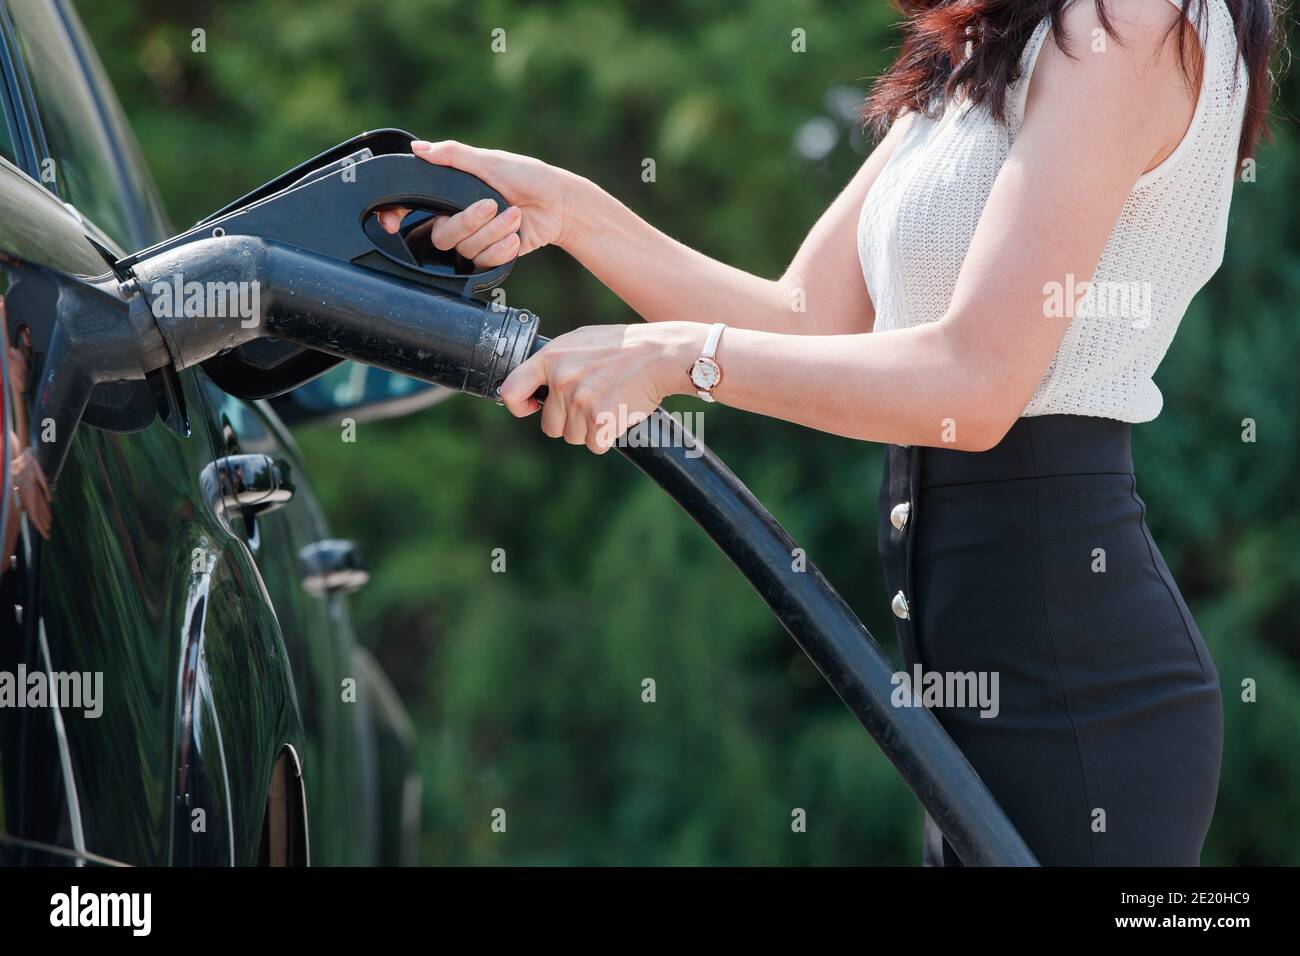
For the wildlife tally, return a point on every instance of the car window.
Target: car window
(82, 153)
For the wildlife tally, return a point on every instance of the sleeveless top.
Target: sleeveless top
(920, 215)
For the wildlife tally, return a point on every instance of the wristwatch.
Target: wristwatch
(706, 373)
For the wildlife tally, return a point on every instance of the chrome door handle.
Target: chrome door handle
(248, 484)
(332, 566)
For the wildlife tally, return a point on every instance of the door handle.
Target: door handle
(332, 566)
(249, 485)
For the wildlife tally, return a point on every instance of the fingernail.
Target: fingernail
(421, 146)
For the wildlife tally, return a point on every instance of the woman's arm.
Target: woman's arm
(1093, 125)
(822, 292)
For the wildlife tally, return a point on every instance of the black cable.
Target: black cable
(828, 631)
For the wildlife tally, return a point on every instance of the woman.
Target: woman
(990, 296)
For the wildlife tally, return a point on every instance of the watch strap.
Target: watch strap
(710, 349)
(711, 341)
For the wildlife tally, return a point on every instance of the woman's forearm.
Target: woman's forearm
(915, 386)
(662, 279)
(822, 292)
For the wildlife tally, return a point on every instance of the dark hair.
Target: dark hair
(931, 66)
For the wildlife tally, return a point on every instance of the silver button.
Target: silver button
(899, 606)
(898, 517)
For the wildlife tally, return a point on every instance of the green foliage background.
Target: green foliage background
(525, 686)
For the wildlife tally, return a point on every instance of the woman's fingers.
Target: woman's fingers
(448, 152)
(598, 438)
(493, 245)
(35, 502)
(575, 428)
(477, 232)
(41, 517)
(554, 419)
(450, 231)
(469, 232)
(501, 227)
(520, 385)
(558, 419)
(499, 253)
(598, 385)
(391, 218)
(445, 153)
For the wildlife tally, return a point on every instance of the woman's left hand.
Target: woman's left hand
(603, 379)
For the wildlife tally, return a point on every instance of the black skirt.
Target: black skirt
(1030, 567)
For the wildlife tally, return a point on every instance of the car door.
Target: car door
(339, 735)
(337, 750)
(318, 734)
(128, 573)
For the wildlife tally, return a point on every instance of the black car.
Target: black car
(179, 680)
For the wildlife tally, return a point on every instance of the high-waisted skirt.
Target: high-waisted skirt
(1030, 566)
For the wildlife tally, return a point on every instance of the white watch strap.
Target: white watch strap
(711, 342)
(710, 349)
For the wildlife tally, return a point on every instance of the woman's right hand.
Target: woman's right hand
(538, 195)
(32, 489)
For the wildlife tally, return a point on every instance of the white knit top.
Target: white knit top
(920, 215)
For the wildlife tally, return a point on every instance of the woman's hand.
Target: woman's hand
(33, 491)
(17, 373)
(538, 194)
(603, 379)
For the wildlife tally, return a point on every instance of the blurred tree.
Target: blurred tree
(526, 686)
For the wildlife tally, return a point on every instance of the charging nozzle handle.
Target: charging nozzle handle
(411, 181)
(333, 215)
(418, 185)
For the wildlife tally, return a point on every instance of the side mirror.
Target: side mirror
(364, 392)
(332, 566)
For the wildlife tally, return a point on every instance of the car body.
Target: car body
(188, 569)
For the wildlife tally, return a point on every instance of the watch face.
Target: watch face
(705, 373)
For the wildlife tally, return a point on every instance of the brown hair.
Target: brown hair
(931, 66)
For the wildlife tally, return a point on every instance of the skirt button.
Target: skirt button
(899, 606)
(899, 515)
